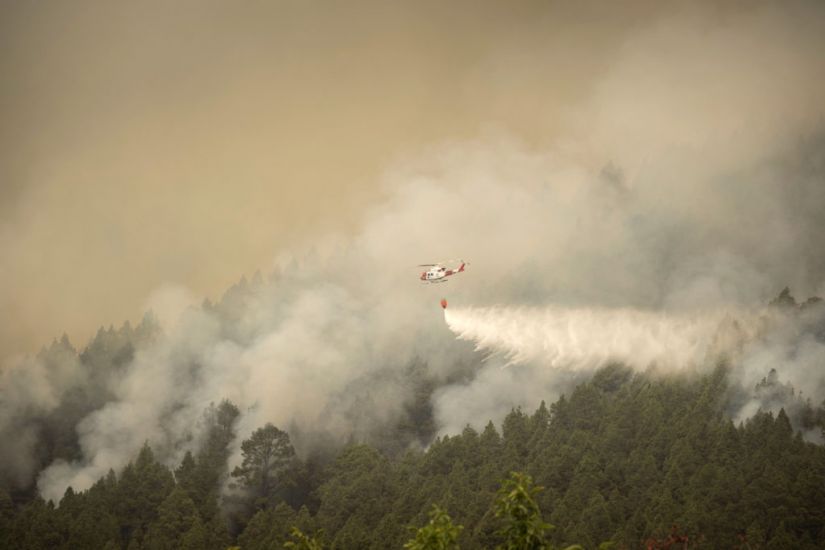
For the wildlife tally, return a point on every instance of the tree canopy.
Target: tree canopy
(639, 460)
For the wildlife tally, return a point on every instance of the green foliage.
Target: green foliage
(176, 517)
(141, 489)
(301, 541)
(359, 491)
(269, 528)
(516, 506)
(267, 455)
(438, 534)
(197, 537)
(203, 476)
(624, 457)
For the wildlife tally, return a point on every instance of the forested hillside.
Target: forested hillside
(630, 458)
(520, 275)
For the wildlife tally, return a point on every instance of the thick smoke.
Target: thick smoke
(689, 186)
(30, 388)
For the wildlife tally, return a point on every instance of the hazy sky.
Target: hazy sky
(192, 142)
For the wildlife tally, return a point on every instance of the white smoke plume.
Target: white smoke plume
(655, 221)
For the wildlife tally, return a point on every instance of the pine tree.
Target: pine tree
(267, 455)
(176, 516)
(197, 537)
(204, 480)
(143, 486)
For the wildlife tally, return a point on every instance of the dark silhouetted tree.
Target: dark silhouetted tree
(267, 456)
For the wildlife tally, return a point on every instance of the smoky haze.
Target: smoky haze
(189, 143)
(665, 160)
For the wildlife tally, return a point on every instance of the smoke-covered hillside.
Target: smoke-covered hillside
(637, 459)
(330, 371)
(314, 350)
(626, 269)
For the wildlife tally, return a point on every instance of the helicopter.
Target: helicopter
(438, 273)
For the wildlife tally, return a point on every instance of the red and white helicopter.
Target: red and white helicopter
(438, 273)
